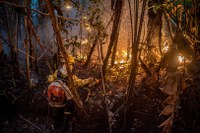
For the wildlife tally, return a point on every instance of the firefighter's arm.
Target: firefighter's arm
(81, 82)
(78, 83)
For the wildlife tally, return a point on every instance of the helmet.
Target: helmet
(56, 95)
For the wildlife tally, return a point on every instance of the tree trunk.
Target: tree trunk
(154, 26)
(27, 63)
(132, 78)
(118, 9)
(31, 47)
(12, 35)
(114, 35)
(91, 50)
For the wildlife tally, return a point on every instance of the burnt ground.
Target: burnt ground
(26, 110)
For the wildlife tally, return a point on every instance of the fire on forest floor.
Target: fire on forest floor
(30, 111)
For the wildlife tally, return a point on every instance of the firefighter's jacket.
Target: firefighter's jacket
(57, 93)
(78, 83)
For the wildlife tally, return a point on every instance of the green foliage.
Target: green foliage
(87, 27)
(155, 8)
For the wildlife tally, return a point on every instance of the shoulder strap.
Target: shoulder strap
(59, 74)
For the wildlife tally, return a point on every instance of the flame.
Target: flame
(81, 57)
(180, 58)
(165, 49)
(124, 53)
(121, 67)
(117, 53)
(84, 17)
(68, 6)
(122, 61)
(115, 62)
(88, 29)
(84, 41)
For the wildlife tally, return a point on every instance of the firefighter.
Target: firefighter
(60, 96)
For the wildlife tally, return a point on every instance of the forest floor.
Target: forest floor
(27, 111)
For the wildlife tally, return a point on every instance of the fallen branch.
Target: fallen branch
(21, 117)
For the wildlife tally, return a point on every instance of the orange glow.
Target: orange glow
(84, 41)
(117, 53)
(88, 29)
(84, 17)
(124, 53)
(122, 61)
(68, 6)
(165, 49)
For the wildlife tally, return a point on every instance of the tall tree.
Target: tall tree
(132, 78)
(10, 21)
(154, 24)
(33, 62)
(114, 35)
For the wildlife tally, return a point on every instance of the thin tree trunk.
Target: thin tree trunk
(103, 85)
(11, 29)
(146, 69)
(119, 8)
(59, 11)
(128, 46)
(91, 50)
(27, 63)
(31, 48)
(15, 51)
(131, 85)
(114, 35)
(76, 97)
(131, 22)
(27, 51)
(135, 45)
(160, 33)
(41, 46)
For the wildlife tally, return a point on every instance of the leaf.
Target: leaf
(170, 86)
(168, 110)
(171, 100)
(168, 122)
(155, 8)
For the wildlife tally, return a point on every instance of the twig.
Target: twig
(38, 41)
(103, 85)
(26, 54)
(135, 45)
(119, 109)
(21, 117)
(109, 21)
